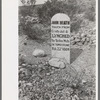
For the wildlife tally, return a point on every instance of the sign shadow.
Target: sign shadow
(74, 54)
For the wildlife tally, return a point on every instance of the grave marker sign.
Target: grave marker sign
(60, 36)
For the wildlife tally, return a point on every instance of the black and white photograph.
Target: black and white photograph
(57, 49)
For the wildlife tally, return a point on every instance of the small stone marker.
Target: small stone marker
(60, 36)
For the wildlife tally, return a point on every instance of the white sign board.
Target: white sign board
(60, 36)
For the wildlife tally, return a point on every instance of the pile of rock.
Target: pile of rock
(83, 38)
(86, 34)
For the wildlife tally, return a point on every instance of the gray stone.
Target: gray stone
(72, 38)
(57, 62)
(74, 43)
(83, 35)
(75, 97)
(83, 82)
(24, 65)
(38, 53)
(48, 74)
(88, 39)
(77, 39)
(83, 39)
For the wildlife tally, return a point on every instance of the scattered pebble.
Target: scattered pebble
(47, 74)
(24, 65)
(84, 81)
(75, 97)
(52, 72)
(35, 65)
(29, 65)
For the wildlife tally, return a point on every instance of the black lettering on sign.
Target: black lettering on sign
(58, 44)
(58, 49)
(62, 31)
(66, 41)
(58, 40)
(53, 35)
(52, 40)
(60, 36)
(67, 44)
(68, 22)
(65, 49)
(56, 26)
(64, 27)
(62, 44)
(53, 48)
(56, 31)
(64, 22)
(66, 31)
(55, 22)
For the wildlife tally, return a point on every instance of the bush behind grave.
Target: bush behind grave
(51, 7)
(37, 32)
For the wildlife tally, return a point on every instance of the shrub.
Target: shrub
(26, 10)
(48, 10)
(36, 31)
(51, 7)
(90, 14)
(76, 23)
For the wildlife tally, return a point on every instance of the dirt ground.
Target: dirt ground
(82, 68)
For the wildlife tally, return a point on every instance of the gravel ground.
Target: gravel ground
(40, 81)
